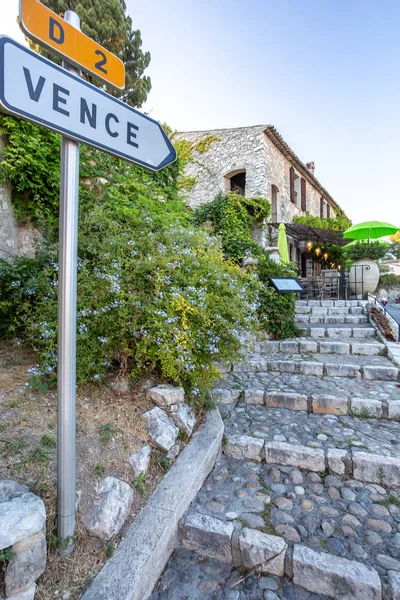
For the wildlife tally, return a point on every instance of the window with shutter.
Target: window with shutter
(303, 194)
(321, 208)
(292, 192)
(328, 210)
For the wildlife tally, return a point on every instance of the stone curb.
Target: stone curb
(149, 542)
(252, 549)
(363, 466)
(317, 404)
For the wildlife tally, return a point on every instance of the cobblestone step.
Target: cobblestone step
(332, 346)
(366, 449)
(320, 365)
(372, 403)
(344, 330)
(294, 532)
(190, 576)
(330, 319)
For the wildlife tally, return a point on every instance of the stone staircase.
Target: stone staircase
(304, 502)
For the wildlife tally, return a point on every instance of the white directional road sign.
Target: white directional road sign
(36, 89)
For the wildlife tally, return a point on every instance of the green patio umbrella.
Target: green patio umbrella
(282, 244)
(370, 230)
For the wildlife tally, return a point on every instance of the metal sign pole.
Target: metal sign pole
(68, 249)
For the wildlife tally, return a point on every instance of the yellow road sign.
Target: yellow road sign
(48, 29)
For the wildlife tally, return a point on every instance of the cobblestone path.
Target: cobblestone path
(304, 501)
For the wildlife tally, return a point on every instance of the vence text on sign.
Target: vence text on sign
(36, 89)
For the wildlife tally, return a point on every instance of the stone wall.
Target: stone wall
(15, 239)
(245, 149)
(237, 150)
(278, 167)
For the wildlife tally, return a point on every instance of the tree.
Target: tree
(395, 238)
(106, 22)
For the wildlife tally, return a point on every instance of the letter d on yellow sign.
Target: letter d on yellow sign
(46, 28)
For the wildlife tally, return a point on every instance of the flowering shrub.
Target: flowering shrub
(154, 291)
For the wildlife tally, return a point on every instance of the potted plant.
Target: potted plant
(364, 272)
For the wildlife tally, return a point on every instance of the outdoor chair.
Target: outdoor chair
(330, 283)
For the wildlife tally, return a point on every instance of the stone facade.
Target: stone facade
(15, 239)
(266, 160)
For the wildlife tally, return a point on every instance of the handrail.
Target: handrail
(385, 310)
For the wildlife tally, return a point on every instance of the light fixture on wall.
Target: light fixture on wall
(317, 251)
(325, 255)
(309, 246)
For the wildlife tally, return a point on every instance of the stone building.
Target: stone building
(255, 161)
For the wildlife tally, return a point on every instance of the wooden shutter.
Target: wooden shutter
(328, 210)
(303, 194)
(292, 195)
(321, 208)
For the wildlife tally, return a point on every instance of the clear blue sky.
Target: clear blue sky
(324, 72)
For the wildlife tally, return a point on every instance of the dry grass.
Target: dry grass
(109, 429)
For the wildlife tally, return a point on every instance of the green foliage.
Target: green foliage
(154, 292)
(187, 183)
(231, 217)
(47, 441)
(338, 223)
(6, 555)
(31, 162)
(372, 250)
(389, 280)
(106, 22)
(204, 144)
(276, 310)
(139, 483)
(100, 470)
(105, 432)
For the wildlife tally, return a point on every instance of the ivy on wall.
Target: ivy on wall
(232, 217)
(185, 151)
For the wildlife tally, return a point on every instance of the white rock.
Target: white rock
(184, 418)
(20, 517)
(109, 512)
(333, 576)
(222, 396)
(27, 595)
(207, 536)
(258, 549)
(140, 461)
(174, 451)
(243, 447)
(303, 457)
(336, 461)
(27, 564)
(166, 395)
(161, 428)
(375, 468)
(10, 489)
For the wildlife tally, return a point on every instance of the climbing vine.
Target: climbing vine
(232, 217)
(338, 223)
